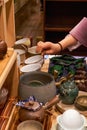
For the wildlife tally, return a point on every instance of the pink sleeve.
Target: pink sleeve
(80, 31)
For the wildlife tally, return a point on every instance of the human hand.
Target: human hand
(47, 48)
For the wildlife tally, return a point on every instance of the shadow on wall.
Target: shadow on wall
(31, 7)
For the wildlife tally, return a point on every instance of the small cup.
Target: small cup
(71, 120)
(30, 125)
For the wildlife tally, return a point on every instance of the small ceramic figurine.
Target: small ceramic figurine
(68, 92)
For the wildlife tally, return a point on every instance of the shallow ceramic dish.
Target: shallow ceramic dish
(30, 125)
(81, 102)
(25, 41)
(30, 68)
(34, 59)
(32, 50)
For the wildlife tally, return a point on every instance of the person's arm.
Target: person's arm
(76, 37)
(79, 32)
(68, 41)
(55, 48)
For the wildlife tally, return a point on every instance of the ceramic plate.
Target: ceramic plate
(22, 41)
(33, 59)
(56, 127)
(30, 68)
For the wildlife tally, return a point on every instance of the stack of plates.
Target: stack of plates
(33, 63)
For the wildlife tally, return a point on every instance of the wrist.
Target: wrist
(61, 47)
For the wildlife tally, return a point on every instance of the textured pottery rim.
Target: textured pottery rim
(78, 101)
(37, 123)
(59, 121)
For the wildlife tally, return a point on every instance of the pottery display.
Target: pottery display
(68, 92)
(39, 84)
(65, 65)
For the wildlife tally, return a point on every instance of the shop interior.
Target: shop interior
(41, 92)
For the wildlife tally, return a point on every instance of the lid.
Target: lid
(32, 105)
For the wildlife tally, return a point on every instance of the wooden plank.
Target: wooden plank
(6, 64)
(10, 23)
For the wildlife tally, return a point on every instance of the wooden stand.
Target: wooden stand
(9, 79)
(7, 22)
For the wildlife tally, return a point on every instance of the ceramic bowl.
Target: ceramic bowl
(30, 125)
(71, 119)
(34, 60)
(81, 102)
(39, 84)
(32, 51)
(30, 68)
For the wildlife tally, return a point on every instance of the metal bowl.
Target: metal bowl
(81, 102)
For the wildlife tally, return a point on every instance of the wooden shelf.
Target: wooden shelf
(9, 70)
(9, 79)
(7, 22)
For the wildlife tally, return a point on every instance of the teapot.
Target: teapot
(68, 91)
(33, 110)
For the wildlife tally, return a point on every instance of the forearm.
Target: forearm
(68, 41)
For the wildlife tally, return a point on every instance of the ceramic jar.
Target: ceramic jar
(68, 92)
(3, 49)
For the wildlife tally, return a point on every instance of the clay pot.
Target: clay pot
(3, 49)
(39, 84)
(33, 110)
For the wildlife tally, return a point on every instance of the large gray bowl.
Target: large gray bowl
(39, 84)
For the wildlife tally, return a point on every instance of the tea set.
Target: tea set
(67, 92)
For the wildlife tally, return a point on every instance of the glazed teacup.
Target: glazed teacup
(71, 120)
